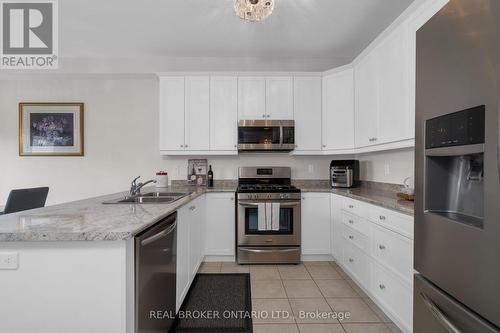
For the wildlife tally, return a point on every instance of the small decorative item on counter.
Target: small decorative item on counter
(161, 179)
(197, 172)
(210, 177)
(408, 192)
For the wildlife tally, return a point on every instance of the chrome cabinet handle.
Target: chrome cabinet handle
(381, 286)
(440, 316)
(268, 116)
(192, 207)
(185, 146)
(263, 116)
(182, 146)
(351, 260)
(351, 222)
(351, 237)
(232, 199)
(351, 206)
(382, 247)
(381, 217)
(324, 146)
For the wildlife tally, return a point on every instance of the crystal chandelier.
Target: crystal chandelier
(253, 10)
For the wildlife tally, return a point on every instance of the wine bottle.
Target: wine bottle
(210, 176)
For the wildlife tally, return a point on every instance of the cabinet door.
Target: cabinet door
(220, 225)
(315, 222)
(367, 104)
(197, 211)
(251, 98)
(197, 113)
(279, 98)
(394, 114)
(223, 113)
(183, 246)
(172, 113)
(338, 111)
(336, 225)
(307, 113)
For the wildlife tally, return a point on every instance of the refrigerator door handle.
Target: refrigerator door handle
(439, 315)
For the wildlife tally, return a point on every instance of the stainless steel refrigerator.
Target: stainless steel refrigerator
(457, 166)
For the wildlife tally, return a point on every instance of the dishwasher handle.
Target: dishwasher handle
(159, 235)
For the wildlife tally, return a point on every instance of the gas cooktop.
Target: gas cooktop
(267, 188)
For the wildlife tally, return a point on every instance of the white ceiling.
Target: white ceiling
(209, 28)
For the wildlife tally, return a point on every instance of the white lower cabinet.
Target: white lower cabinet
(374, 246)
(315, 221)
(219, 231)
(190, 220)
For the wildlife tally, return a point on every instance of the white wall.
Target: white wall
(121, 141)
(387, 167)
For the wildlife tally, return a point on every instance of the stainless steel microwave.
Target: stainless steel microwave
(266, 135)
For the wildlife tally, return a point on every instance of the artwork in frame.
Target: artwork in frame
(51, 129)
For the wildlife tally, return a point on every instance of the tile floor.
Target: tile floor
(290, 296)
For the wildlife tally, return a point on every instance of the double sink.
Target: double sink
(152, 197)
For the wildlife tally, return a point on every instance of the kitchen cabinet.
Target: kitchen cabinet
(338, 111)
(265, 98)
(382, 89)
(172, 113)
(190, 221)
(315, 221)
(184, 113)
(251, 98)
(307, 113)
(197, 113)
(279, 98)
(374, 246)
(183, 255)
(223, 113)
(220, 224)
(367, 103)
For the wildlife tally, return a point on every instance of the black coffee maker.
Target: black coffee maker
(344, 173)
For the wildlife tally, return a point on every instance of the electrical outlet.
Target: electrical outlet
(9, 260)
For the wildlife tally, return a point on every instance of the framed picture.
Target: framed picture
(51, 129)
(197, 172)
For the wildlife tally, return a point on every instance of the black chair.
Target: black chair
(24, 199)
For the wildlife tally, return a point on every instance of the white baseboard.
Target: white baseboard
(211, 258)
(316, 257)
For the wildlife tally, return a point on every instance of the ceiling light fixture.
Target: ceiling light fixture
(253, 10)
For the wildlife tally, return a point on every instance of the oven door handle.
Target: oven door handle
(282, 204)
(267, 251)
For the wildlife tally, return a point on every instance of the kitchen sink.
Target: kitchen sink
(152, 197)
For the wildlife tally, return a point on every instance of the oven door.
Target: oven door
(287, 235)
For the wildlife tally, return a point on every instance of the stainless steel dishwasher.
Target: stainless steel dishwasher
(155, 276)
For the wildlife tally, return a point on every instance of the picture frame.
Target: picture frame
(51, 129)
(197, 172)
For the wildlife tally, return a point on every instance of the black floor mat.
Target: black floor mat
(216, 303)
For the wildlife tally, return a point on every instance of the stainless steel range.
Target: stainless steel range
(268, 216)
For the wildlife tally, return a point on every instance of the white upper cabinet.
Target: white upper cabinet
(394, 88)
(383, 80)
(172, 113)
(223, 113)
(279, 98)
(251, 98)
(197, 113)
(367, 101)
(338, 111)
(307, 113)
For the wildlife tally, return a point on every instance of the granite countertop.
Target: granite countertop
(91, 220)
(383, 196)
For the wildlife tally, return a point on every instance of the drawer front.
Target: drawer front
(393, 293)
(356, 238)
(394, 251)
(354, 206)
(399, 223)
(357, 263)
(356, 222)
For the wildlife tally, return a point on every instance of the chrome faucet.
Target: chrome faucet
(135, 188)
